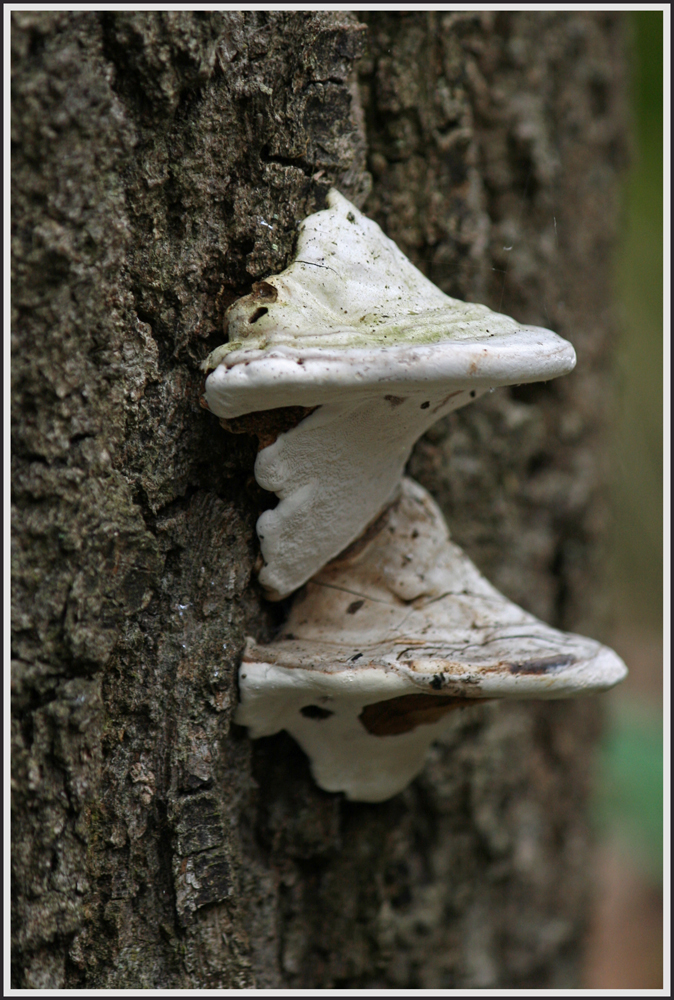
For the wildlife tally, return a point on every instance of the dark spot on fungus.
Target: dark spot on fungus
(258, 314)
(315, 712)
(424, 406)
(395, 400)
(541, 666)
(351, 217)
(472, 393)
(264, 291)
(354, 606)
(356, 657)
(437, 682)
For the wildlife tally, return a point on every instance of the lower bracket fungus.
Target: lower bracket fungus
(391, 637)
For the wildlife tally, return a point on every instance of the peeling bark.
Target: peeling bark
(161, 164)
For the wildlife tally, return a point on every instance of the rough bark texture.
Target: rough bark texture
(161, 163)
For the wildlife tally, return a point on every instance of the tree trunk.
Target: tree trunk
(161, 164)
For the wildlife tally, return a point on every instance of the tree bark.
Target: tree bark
(161, 164)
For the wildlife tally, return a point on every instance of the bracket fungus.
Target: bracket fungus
(388, 639)
(339, 364)
(353, 332)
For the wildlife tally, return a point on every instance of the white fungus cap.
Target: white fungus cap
(352, 327)
(391, 637)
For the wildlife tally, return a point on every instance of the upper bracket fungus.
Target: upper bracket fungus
(373, 354)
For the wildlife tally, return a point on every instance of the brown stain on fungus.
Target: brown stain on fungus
(264, 292)
(266, 425)
(451, 395)
(541, 666)
(403, 714)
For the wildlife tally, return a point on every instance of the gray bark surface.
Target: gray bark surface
(161, 164)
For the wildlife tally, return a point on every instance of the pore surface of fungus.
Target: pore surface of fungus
(354, 332)
(389, 638)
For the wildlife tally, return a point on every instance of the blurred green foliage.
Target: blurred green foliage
(628, 803)
(637, 544)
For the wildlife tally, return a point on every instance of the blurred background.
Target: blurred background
(625, 946)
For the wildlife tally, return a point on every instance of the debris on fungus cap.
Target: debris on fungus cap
(388, 640)
(359, 339)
